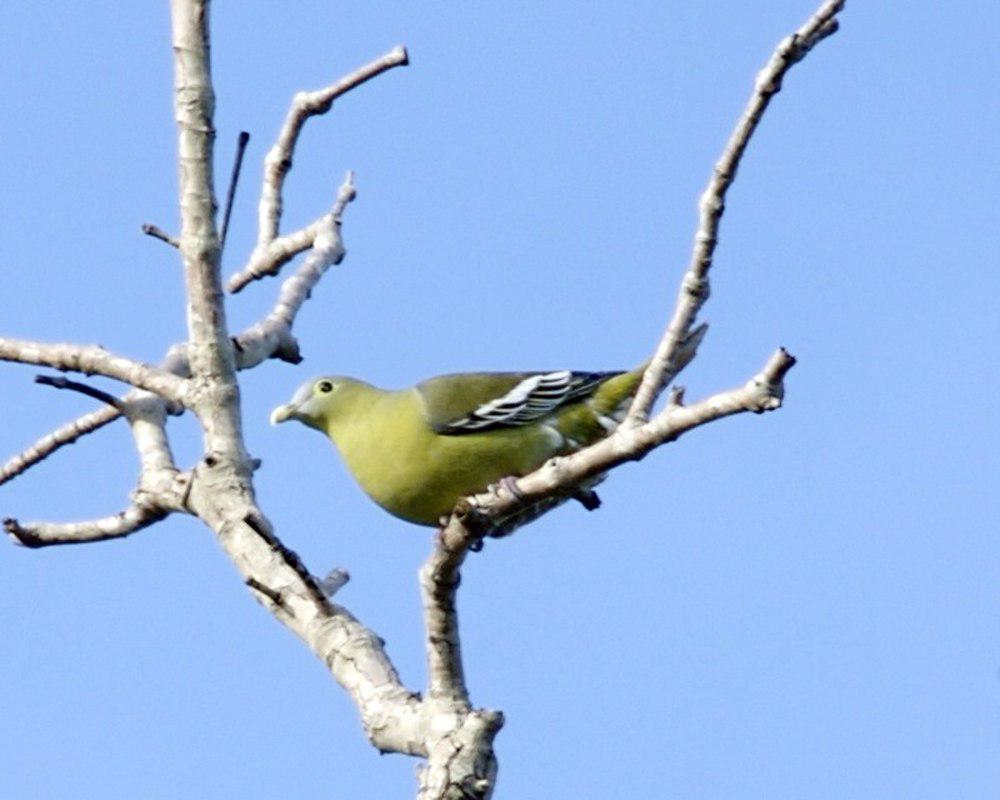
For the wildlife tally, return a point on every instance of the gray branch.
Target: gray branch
(272, 252)
(94, 360)
(48, 444)
(59, 382)
(269, 338)
(499, 511)
(694, 289)
(43, 534)
(326, 250)
(157, 232)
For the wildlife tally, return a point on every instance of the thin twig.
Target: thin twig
(94, 360)
(278, 161)
(241, 146)
(150, 229)
(48, 444)
(59, 382)
(327, 250)
(267, 591)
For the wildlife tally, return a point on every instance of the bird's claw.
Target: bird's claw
(587, 498)
(509, 484)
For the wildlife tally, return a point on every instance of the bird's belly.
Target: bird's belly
(421, 479)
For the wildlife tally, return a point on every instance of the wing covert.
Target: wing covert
(501, 400)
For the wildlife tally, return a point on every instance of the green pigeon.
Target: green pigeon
(416, 451)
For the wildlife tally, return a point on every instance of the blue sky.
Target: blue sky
(804, 604)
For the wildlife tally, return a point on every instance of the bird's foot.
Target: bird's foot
(509, 484)
(587, 498)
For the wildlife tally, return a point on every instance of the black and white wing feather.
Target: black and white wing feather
(499, 400)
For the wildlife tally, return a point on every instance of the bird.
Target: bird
(417, 451)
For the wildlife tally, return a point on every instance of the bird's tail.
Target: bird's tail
(614, 396)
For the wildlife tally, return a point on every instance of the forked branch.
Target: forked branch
(694, 290)
(270, 338)
(94, 360)
(501, 511)
(272, 252)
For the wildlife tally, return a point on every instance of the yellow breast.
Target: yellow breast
(419, 475)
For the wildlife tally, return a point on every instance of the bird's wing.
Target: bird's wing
(478, 402)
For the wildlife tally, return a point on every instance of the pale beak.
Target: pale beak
(283, 413)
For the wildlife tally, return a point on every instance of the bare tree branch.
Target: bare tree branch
(270, 258)
(175, 363)
(48, 444)
(271, 253)
(94, 360)
(162, 488)
(159, 478)
(327, 246)
(506, 507)
(43, 534)
(460, 760)
(694, 287)
(221, 492)
(443, 727)
(501, 511)
(763, 392)
(214, 395)
(393, 717)
(59, 382)
(278, 161)
(439, 579)
(234, 178)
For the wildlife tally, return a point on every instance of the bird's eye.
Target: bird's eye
(325, 387)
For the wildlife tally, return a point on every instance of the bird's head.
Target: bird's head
(320, 401)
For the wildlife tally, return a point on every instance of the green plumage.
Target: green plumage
(415, 452)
